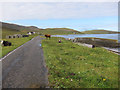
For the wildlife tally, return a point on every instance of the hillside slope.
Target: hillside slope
(18, 27)
(59, 31)
(99, 32)
(10, 29)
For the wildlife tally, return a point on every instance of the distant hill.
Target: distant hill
(33, 28)
(99, 32)
(10, 29)
(18, 27)
(67, 29)
(12, 26)
(59, 31)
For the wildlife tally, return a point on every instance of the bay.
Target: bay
(105, 36)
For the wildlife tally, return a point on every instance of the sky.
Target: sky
(80, 16)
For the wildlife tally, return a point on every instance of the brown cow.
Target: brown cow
(47, 35)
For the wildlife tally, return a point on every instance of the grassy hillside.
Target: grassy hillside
(10, 29)
(99, 32)
(74, 66)
(18, 27)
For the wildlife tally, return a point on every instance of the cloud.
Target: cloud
(113, 27)
(60, 10)
(59, 1)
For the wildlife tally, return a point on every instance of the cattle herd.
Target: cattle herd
(21, 35)
(7, 43)
(16, 36)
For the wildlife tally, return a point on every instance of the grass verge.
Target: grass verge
(74, 66)
(16, 42)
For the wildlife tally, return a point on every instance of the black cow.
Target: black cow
(13, 36)
(59, 41)
(93, 46)
(25, 35)
(6, 43)
(9, 36)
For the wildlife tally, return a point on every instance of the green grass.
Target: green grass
(6, 32)
(16, 42)
(74, 66)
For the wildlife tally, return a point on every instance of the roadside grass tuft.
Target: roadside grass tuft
(74, 66)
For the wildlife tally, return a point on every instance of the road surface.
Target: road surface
(25, 67)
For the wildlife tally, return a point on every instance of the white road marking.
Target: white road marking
(40, 45)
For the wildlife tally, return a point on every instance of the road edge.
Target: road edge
(15, 50)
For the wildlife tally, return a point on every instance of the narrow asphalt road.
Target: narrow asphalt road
(25, 67)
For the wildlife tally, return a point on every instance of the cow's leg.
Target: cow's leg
(9, 43)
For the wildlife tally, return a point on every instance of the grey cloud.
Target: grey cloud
(64, 10)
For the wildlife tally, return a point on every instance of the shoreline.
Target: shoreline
(114, 50)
